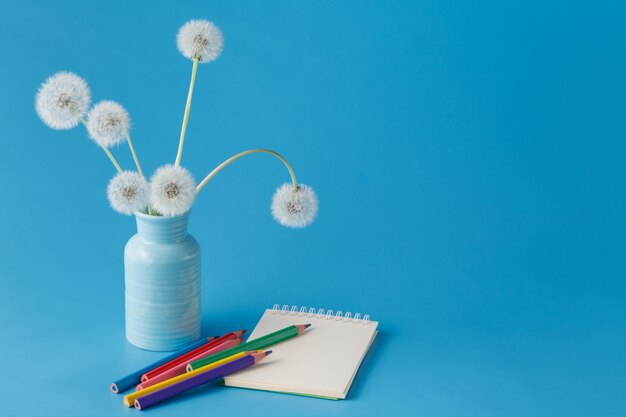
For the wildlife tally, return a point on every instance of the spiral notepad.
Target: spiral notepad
(321, 362)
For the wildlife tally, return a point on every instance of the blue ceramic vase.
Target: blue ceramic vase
(162, 269)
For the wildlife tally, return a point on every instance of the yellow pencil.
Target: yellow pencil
(129, 400)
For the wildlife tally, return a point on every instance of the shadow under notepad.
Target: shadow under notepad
(368, 364)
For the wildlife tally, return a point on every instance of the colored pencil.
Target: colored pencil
(132, 379)
(180, 369)
(260, 343)
(190, 383)
(187, 357)
(129, 400)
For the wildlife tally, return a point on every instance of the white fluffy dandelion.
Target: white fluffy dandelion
(62, 100)
(172, 190)
(295, 208)
(108, 124)
(128, 192)
(200, 39)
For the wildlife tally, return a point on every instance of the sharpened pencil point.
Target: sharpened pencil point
(302, 327)
(268, 352)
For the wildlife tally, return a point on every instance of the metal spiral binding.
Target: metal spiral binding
(320, 313)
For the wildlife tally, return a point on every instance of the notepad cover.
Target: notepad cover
(322, 361)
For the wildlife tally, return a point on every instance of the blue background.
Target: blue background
(468, 157)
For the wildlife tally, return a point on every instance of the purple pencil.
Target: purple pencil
(214, 374)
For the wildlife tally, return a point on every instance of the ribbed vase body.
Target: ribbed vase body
(162, 279)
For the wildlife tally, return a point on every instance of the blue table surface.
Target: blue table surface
(468, 158)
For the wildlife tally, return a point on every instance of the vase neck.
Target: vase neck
(162, 228)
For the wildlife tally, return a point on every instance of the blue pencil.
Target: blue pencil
(132, 379)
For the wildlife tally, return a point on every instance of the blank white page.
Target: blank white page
(321, 361)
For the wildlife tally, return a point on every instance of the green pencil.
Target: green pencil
(256, 344)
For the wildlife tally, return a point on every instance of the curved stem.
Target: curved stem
(132, 151)
(105, 149)
(242, 154)
(181, 142)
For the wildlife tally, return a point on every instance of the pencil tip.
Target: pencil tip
(268, 352)
(302, 327)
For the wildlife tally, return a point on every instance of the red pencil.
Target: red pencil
(194, 353)
(181, 369)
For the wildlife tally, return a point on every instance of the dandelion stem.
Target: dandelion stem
(132, 151)
(105, 149)
(112, 158)
(242, 154)
(181, 142)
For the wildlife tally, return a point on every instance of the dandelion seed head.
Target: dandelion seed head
(172, 190)
(108, 123)
(62, 100)
(128, 192)
(295, 208)
(200, 39)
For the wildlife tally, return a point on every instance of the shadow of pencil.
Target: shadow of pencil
(206, 390)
